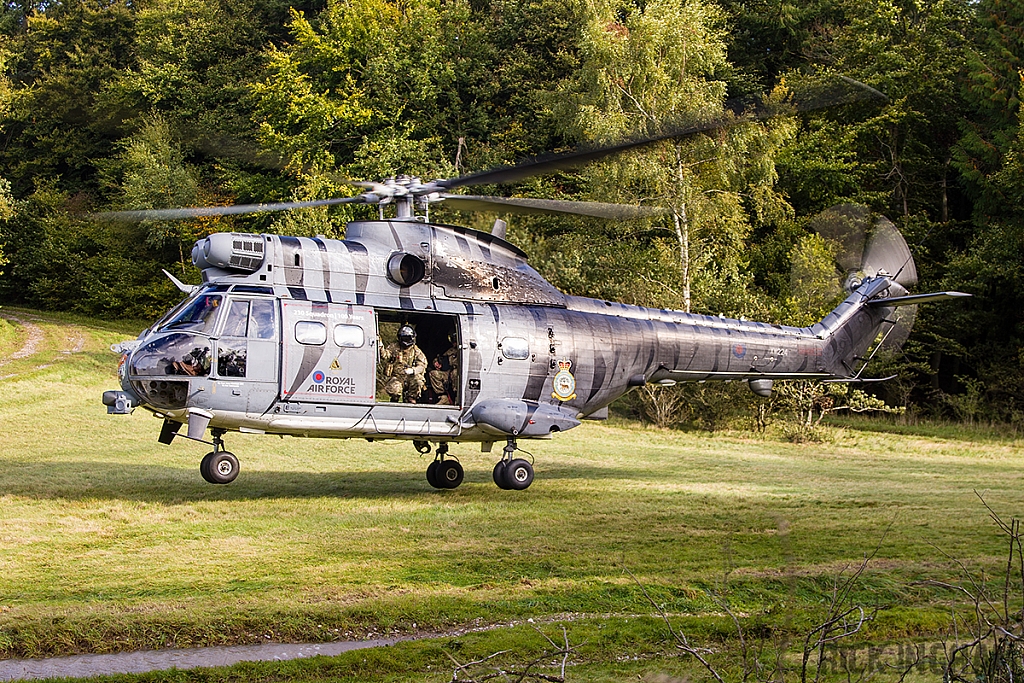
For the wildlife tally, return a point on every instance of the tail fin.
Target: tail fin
(864, 318)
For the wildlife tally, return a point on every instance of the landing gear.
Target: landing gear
(499, 475)
(219, 466)
(444, 474)
(512, 474)
(518, 474)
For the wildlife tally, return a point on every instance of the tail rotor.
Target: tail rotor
(868, 245)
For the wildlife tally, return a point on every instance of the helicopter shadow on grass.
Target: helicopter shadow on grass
(92, 480)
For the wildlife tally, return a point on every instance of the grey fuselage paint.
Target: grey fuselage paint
(580, 354)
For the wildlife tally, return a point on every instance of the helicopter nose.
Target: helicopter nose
(159, 370)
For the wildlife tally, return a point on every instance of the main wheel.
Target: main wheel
(519, 474)
(499, 475)
(222, 468)
(204, 467)
(432, 475)
(449, 474)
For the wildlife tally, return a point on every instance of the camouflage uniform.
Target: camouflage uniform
(399, 384)
(444, 378)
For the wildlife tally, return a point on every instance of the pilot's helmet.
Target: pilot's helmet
(406, 336)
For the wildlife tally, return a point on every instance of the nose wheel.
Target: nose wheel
(442, 473)
(512, 473)
(219, 466)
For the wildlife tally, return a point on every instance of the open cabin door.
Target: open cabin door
(329, 353)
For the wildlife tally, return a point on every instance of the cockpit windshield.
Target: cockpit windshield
(197, 315)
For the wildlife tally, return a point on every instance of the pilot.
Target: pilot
(404, 367)
(444, 375)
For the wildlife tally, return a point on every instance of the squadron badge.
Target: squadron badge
(564, 383)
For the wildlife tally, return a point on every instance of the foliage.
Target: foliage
(662, 67)
(116, 104)
(700, 405)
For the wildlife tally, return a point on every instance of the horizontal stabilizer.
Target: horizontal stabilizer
(859, 380)
(916, 299)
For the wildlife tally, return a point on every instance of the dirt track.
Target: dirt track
(73, 342)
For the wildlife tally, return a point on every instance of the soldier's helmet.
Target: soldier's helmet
(406, 336)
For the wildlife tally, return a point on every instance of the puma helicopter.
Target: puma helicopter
(292, 335)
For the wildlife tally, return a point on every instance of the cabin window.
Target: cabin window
(515, 348)
(310, 332)
(348, 336)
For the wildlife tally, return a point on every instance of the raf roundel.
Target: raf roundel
(318, 376)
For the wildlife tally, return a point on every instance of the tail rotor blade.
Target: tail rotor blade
(887, 252)
(867, 246)
(896, 335)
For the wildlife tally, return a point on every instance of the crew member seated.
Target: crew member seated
(405, 367)
(444, 374)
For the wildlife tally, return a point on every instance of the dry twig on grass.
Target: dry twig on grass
(477, 672)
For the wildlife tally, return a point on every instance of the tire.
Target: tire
(432, 475)
(222, 467)
(204, 468)
(499, 475)
(519, 474)
(449, 474)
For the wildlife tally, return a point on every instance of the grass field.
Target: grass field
(110, 541)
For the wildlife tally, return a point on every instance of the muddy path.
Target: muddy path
(72, 340)
(36, 336)
(82, 666)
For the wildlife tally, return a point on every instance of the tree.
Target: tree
(59, 62)
(660, 66)
(897, 156)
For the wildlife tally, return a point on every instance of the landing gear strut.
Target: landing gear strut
(511, 473)
(444, 474)
(219, 466)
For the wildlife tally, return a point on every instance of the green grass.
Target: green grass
(110, 541)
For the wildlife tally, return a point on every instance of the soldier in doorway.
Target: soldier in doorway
(405, 367)
(444, 374)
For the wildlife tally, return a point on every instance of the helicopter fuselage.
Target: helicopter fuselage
(286, 334)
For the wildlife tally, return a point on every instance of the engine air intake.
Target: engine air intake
(230, 251)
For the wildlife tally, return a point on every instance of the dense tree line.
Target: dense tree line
(157, 103)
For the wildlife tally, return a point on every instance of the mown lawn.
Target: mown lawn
(110, 541)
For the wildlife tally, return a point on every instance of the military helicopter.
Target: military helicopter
(293, 335)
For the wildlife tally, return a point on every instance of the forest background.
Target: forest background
(136, 104)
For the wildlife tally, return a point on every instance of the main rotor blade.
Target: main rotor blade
(202, 211)
(737, 111)
(570, 160)
(526, 205)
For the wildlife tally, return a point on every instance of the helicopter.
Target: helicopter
(292, 335)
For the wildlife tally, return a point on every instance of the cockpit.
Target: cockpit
(204, 335)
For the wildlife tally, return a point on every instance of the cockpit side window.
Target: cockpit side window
(263, 323)
(237, 322)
